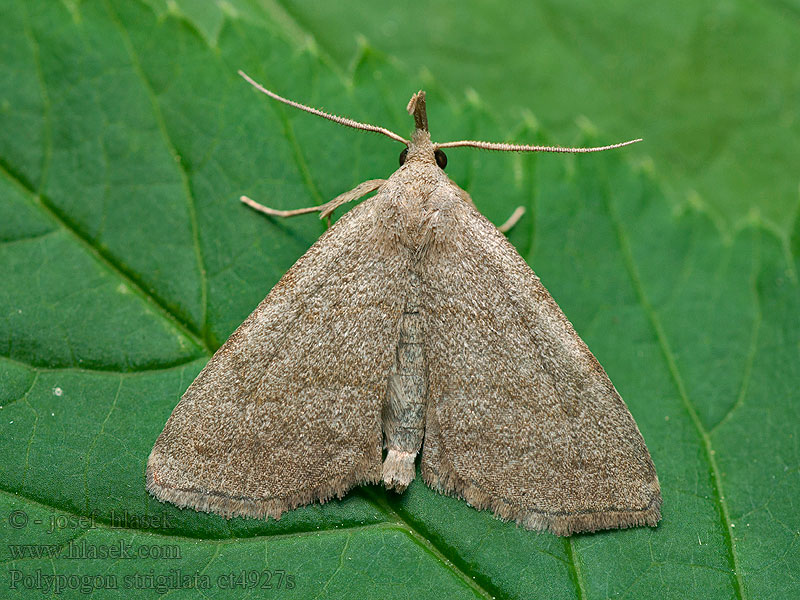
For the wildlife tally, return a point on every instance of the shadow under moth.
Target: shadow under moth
(411, 326)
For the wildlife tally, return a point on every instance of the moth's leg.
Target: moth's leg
(406, 391)
(512, 220)
(274, 212)
(362, 189)
(326, 209)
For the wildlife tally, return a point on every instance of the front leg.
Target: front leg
(326, 209)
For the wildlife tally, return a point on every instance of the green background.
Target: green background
(126, 260)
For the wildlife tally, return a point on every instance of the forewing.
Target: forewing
(288, 410)
(521, 417)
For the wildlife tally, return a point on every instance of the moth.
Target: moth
(412, 326)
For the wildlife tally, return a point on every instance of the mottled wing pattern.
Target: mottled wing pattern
(521, 417)
(288, 411)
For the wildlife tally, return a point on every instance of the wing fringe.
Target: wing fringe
(211, 501)
(564, 524)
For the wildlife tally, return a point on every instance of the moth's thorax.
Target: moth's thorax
(418, 201)
(420, 186)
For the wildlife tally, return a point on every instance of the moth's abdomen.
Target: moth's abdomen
(404, 406)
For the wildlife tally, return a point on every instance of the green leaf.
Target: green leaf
(126, 138)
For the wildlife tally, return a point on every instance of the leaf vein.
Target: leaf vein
(30, 440)
(669, 357)
(47, 116)
(108, 261)
(575, 568)
(428, 544)
(751, 352)
(94, 443)
(185, 181)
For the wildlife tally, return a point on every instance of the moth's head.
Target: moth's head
(420, 148)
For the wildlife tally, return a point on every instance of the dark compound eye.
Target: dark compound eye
(441, 159)
(403, 155)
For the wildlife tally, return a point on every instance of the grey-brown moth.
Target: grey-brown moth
(411, 325)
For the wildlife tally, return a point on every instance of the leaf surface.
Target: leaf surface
(126, 260)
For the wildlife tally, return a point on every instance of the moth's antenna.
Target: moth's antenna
(314, 111)
(526, 148)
